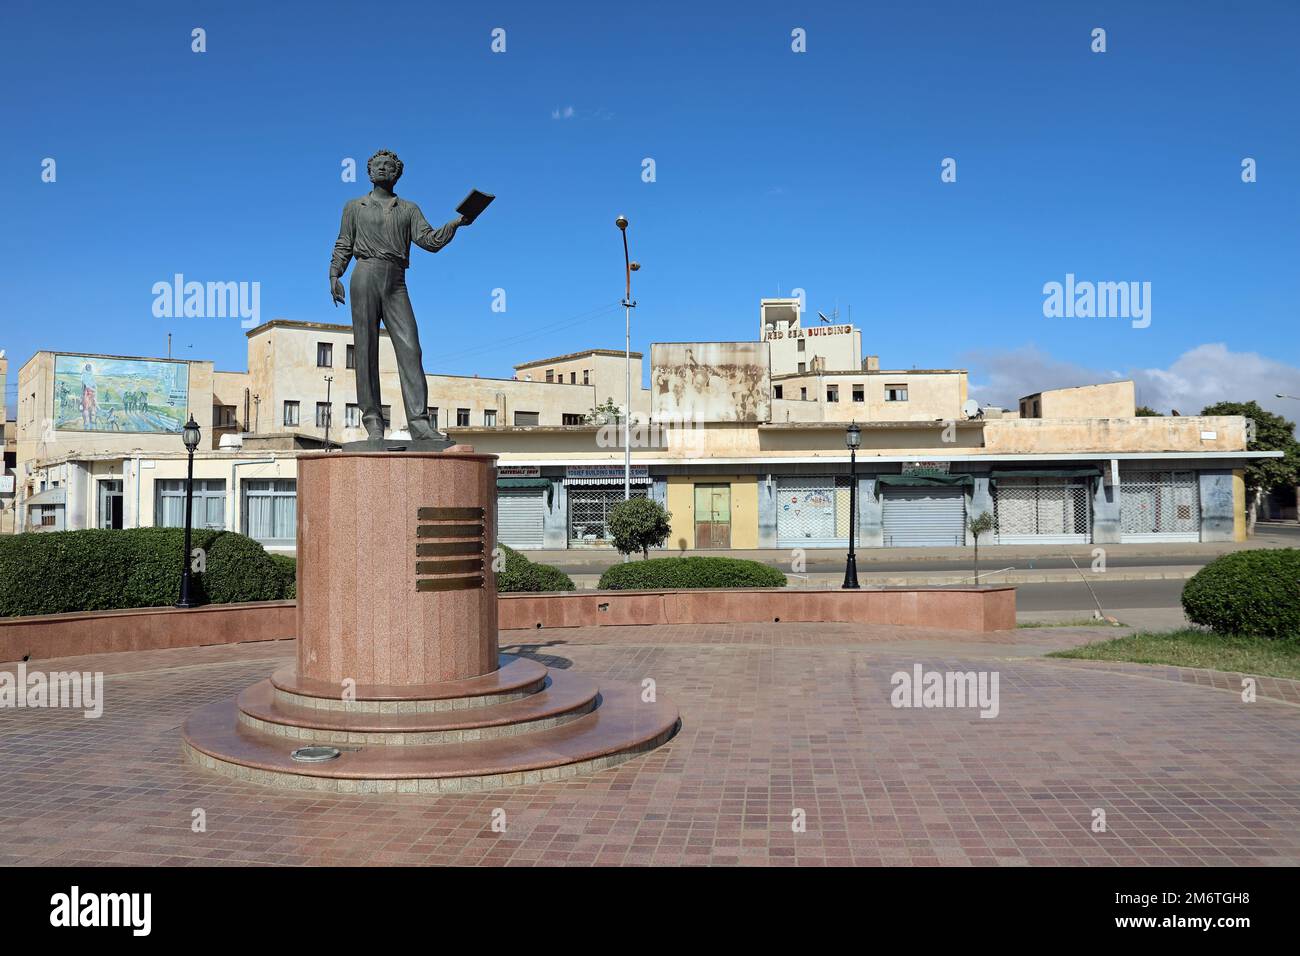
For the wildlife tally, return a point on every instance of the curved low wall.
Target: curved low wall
(143, 629)
(963, 609)
(155, 628)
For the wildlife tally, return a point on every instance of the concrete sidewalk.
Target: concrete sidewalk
(990, 573)
(600, 558)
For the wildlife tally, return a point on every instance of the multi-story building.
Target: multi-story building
(744, 442)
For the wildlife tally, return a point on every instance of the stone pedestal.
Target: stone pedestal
(394, 567)
(398, 674)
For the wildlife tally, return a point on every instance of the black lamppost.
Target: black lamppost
(628, 305)
(852, 438)
(191, 436)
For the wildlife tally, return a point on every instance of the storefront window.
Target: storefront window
(209, 503)
(589, 513)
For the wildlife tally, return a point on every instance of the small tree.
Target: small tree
(983, 523)
(608, 412)
(1270, 433)
(639, 524)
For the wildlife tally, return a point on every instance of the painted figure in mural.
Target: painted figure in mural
(377, 231)
(88, 404)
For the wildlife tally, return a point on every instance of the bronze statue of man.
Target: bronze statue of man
(377, 231)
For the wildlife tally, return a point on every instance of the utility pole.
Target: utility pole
(628, 305)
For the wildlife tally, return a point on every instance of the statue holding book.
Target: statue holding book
(377, 231)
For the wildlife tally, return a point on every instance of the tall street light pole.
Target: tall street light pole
(190, 435)
(329, 409)
(852, 438)
(628, 305)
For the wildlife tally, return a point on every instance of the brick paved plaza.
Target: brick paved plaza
(775, 719)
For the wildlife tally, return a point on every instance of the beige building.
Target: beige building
(745, 448)
(605, 370)
(1108, 400)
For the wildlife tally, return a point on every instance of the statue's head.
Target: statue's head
(384, 167)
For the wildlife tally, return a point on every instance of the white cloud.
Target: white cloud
(1200, 376)
(563, 112)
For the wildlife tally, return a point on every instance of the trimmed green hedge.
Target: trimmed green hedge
(520, 574)
(1256, 593)
(680, 573)
(287, 568)
(61, 571)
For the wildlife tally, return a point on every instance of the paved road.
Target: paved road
(1118, 594)
(818, 562)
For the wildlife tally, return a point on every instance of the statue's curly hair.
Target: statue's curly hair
(370, 163)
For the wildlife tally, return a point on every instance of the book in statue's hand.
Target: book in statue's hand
(473, 204)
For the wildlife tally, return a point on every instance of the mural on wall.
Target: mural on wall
(93, 394)
(711, 381)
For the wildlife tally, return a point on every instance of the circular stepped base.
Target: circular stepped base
(560, 727)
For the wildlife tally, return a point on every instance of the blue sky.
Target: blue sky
(774, 170)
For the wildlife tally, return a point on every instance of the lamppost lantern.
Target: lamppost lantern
(853, 440)
(190, 435)
(635, 266)
(621, 222)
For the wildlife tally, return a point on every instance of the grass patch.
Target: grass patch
(1193, 647)
(1073, 622)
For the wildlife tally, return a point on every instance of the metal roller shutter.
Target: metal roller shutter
(520, 514)
(1159, 506)
(812, 512)
(924, 517)
(1043, 511)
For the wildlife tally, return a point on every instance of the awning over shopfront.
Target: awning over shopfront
(1090, 471)
(523, 482)
(924, 481)
(50, 496)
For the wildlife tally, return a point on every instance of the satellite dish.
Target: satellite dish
(970, 408)
(822, 316)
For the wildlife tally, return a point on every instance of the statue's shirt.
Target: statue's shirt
(384, 229)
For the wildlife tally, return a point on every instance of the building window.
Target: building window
(271, 510)
(573, 378)
(571, 419)
(462, 418)
(433, 417)
(209, 503)
(386, 413)
(49, 516)
(832, 393)
(489, 418)
(859, 394)
(895, 393)
(223, 416)
(778, 391)
(322, 414)
(526, 418)
(803, 394)
(550, 375)
(351, 356)
(291, 413)
(803, 366)
(586, 376)
(324, 355)
(802, 345)
(352, 415)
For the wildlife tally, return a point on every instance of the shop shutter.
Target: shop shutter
(520, 513)
(1043, 511)
(1159, 506)
(812, 512)
(924, 517)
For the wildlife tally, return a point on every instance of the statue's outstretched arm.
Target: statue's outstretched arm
(426, 237)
